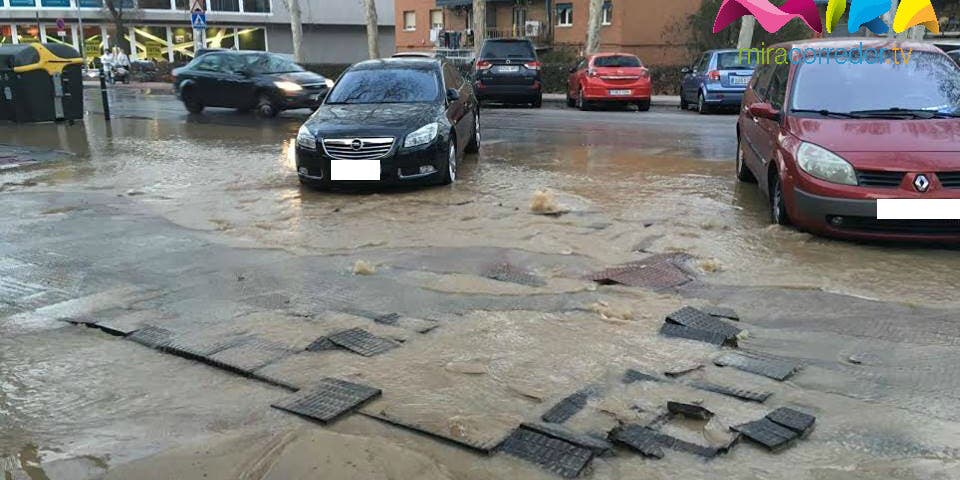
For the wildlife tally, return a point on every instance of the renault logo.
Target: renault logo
(921, 183)
(356, 144)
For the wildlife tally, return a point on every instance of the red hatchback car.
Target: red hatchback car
(827, 139)
(609, 78)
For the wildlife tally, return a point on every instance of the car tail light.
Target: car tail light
(483, 65)
(644, 73)
(532, 65)
(714, 75)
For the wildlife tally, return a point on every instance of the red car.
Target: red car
(827, 139)
(609, 78)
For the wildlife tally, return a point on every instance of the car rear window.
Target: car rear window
(387, 85)
(510, 49)
(623, 61)
(929, 82)
(736, 61)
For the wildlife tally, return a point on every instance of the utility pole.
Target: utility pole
(593, 27)
(479, 25)
(296, 30)
(747, 24)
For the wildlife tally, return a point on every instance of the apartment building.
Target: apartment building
(645, 28)
(160, 30)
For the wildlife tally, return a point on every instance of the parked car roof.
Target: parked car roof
(422, 62)
(413, 55)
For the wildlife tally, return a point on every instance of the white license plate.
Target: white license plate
(739, 80)
(508, 68)
(918, 209)
(368, 170)
(619, 93)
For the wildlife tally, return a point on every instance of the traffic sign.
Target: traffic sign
(61, 28)
(198, 19)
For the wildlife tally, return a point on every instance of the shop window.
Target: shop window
(252, 39)
(53, 35)
(221, 38)
(92, 43)
(182, 44)
(256, 6)
(564, 14)
(28, 34)
(152, 43)
(225, 5)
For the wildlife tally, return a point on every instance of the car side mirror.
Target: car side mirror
(764, 110)
(453, 95)
(685, 70)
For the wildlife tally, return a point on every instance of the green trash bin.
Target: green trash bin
(40, 83)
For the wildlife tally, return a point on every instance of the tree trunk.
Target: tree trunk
(747, 24)
(894, 4)
(373, 29)
(479, 25)
(296, 30)
(593, 27)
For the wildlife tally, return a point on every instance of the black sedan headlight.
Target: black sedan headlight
(305, 139)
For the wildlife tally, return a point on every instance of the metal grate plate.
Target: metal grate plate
(639, 438)
(360, 341)
(742, 394)
(568, 407)
(767, 367)
(154, 337)
(767, 433)
(679, 331)
(552, 454)
(598, 446)
(795, 420)
(692, 318)
(248, 355)
(328, 400)
(505, 272)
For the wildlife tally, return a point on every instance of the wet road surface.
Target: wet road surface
(197, 224)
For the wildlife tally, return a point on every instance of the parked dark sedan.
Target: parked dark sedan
(266, 82)
(508, 71)
(400, 121)
(717, 80)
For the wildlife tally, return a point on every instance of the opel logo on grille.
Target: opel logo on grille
(356, 144)
(921, 183)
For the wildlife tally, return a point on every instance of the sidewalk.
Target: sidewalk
(656, 100)
(155, 88)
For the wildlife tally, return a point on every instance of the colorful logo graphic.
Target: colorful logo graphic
(862, 13)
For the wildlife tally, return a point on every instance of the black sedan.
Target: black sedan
(399, 121)
(263, 81)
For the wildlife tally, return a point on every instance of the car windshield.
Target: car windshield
(617, 61)
(930, 81)
(507, 50)
(267, 64)
(387, 85)
(736, 61)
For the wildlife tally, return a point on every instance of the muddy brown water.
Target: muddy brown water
(76, 403)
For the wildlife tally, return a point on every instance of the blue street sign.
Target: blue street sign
(198, 19)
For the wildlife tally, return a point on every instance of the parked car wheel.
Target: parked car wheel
(643, 105)
(702, 106)
(474, 145)
(570, 101)
(778, 206)
(538, 102)
(581, 103)
(743, 173)
(450, 170)
(265, 107)
(683, 101)
(191, 103)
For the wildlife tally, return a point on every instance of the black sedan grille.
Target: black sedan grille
(949, 179)
(879, 179)
(357, 148)
(913, 227)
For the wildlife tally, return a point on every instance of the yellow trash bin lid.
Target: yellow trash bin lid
(50, 57)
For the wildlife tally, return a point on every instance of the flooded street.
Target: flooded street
(198, 225)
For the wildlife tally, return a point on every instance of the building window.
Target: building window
(6, 35)
(409, 20)
(53, 35)
(151, 43)
(92, 43)
(28, 34)
(91, 3)
(55, 3)
(22, 3)
(564, 14)
(436, 18)
(606, 15)
(225, 5)
(221, 38)
(252, 39)
(152, 4)
(256, 6)
(182, 44)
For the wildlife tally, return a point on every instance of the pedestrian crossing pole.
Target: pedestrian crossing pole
(198, 20)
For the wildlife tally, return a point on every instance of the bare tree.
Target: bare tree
(121, 11)
(593, 27)
(479, 25)
(296, 29)
(747, 24)
(373, 29)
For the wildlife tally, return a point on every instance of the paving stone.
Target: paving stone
(505, 272)
(767, 433)
(756, 364)
(679, 331)
(249, 355)
(692, 318)
(550, 453)
(360, 341)
(795, 420)
(742, 394)
(689, 410)
(329, 399)
(598, 446)
(631, 376)
(151, 336)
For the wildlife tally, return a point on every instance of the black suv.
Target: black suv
(508, 71)
(267, 82)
